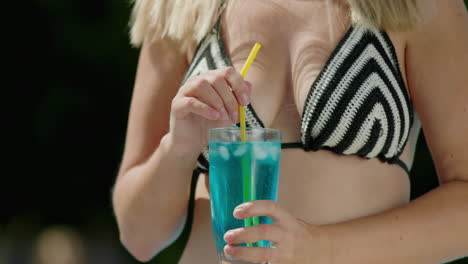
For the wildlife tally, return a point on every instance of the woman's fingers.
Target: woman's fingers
(253, 234)
(223, 89)
(263, 208)
(238, 85)
(252, 254)
(221, 86)
(205, 92)
(186, 105)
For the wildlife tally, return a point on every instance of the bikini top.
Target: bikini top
(358, 104)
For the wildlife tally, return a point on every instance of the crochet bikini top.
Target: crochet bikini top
(358, 104)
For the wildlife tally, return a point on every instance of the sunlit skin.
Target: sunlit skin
(332, 208)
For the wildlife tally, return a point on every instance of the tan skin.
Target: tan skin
(351, 210)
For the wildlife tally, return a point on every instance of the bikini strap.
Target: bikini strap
(403, 165)
(219, 14)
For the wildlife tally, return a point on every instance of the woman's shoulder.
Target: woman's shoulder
(436, 60)
(440, 21)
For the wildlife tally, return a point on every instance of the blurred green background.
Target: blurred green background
(69, 78)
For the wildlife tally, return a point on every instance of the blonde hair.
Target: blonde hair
(188, 21)
(392, 15)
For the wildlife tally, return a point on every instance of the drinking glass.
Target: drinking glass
(242, 168)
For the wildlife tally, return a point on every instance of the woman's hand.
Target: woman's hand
(294, 240)
(206, 101)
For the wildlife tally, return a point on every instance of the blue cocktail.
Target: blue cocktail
(232, 163)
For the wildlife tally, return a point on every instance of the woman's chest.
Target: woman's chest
(307, 60)
(311, 60)
(297, 40)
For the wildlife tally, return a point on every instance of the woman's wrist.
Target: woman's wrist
(174, 149)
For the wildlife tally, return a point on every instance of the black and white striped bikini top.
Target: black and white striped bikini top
(358, 104)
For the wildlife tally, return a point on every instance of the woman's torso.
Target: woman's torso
(319, 187)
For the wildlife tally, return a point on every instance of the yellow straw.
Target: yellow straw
(246, 177)
(243, 72)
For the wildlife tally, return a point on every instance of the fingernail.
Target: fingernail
(214, 114)
(238, 211)
(235, 117)
(224, 114)
(229, 250)
(228, 236)
(249, 86)
(245, 99)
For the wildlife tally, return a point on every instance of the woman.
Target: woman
(344, 94)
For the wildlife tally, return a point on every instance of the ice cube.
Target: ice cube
(273, 151)
(240, 150)
(224, 152)
(259, 153)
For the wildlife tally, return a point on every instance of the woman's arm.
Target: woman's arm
(151, 193)
(433, 228)
(430, 229)
(167, 130)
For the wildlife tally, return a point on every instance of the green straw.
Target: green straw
(248, 194)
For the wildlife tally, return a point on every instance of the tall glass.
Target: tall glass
(241, 171)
